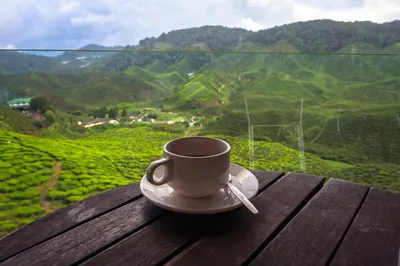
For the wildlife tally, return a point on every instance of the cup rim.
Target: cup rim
(202, 157)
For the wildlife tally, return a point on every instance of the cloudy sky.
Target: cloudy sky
(61, 24)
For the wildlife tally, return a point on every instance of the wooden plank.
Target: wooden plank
(374, 237)
(66, 218)
(98, 233)
(266, 178)
(236, 237)
(312, 236)
(167, 235)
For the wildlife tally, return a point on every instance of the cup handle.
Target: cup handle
(153, 166)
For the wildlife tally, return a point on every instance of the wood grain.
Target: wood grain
(167, 236)
(266, 178)
(74, 245)
(66, 218)
(374, 237)
(235, 238)
(311, 237)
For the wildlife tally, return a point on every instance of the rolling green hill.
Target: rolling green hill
(14, 121)
(338, 92)
(17, 63)
(91, 89)
(208, 89)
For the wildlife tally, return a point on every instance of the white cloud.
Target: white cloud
(372, 10)
(9, 47)
(249, 24)
(73, 23)
(257, 3)
(68, 7)
(93, 19)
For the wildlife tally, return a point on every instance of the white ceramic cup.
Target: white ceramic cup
(194, 166)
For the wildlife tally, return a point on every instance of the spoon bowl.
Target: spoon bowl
(246, 202)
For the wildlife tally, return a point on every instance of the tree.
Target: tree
(124, 112)
(100, 113)
(50, 117)
(113, 113)
(40, 104)
(152, 116)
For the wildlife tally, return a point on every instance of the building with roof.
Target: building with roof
(20, 103)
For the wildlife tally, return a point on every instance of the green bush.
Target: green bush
(34, 209)
(84, 176)
(25, 202)
(21, 171)
(50, 117)
(3, 206)
(75, 198)
(28, 194)
(5, 188)
(5, 175)
(86, 182)
(75, 192)
(24, 221)
(7, 227)
(5, 164)
(57, 195)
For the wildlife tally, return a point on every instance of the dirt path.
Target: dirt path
(46, 204)
(58, 172)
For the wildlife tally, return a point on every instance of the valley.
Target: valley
(286, 99)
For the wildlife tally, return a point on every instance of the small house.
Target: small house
(20, 103)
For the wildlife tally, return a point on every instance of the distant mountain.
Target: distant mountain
(12, 62)
(216, 38)
(206, 38)
(17, 63)
(84, 57)
(312, 36)
(331, 36)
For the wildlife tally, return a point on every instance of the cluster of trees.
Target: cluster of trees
(217, 38)
(42, 104)
(112, 113)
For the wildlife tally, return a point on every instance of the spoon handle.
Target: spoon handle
(242, 198)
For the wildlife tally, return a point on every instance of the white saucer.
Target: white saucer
(164, 196)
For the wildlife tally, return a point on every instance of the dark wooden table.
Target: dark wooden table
(301, 221)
